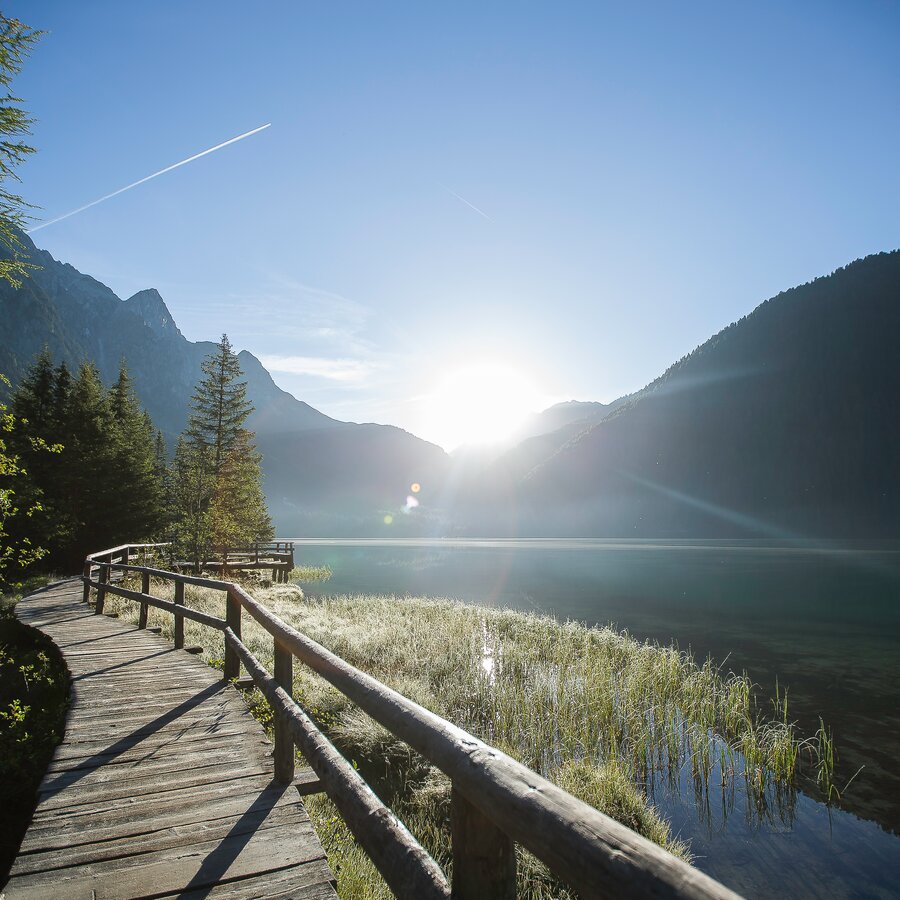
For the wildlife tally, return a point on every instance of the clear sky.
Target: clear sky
(580, 193)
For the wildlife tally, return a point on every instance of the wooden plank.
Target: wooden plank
(167, 835)
(169, 871)
(128, 784)
(157, 767)
(134, 756)
(162, 740)
(107, 814)
(310, 878)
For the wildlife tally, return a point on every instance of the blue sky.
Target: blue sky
(643, 175)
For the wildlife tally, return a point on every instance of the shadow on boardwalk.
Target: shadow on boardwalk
(162, 786)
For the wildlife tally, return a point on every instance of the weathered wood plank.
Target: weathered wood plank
(127, 784)
(168, 834)
(307, 877)
(169, 871)
(206, 799)
(114, 772)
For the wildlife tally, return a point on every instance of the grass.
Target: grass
(592, 709)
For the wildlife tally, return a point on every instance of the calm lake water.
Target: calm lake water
(822, 619)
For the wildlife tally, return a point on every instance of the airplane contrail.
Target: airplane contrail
(128, 187)
(480, 212)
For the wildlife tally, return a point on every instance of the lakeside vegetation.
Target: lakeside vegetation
(82, 464)
(34, 694)
(592, 709)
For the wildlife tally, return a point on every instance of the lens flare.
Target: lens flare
(388, 519)
(415, 487)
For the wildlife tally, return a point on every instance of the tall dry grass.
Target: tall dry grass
(591, 709)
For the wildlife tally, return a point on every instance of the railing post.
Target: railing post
(232, 667)
(101, 591)
(284, 742)
(179, 619)
(484, 858)
(145, 589)
(126, 556)
(87, 580)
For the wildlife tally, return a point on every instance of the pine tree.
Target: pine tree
(219, 404)
(139, 511)
(216, 477)
(105, 487)
(193, 482)
(16, 42)
(34, 396)
(238, 514)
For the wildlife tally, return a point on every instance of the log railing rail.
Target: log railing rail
(275, 555)
(496, 802)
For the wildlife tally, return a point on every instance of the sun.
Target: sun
(481, 403)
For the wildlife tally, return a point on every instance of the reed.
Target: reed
(592, 709)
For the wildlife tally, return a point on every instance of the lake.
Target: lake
(823, 619)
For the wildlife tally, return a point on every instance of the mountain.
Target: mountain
(577, 413)
(785, 424)
(321, 475)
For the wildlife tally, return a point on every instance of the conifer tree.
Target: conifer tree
(219, 404)
(16, 42)
(105, 487)
(238, 513)
(216, 477)
(139, 510)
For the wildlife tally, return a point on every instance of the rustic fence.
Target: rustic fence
(496, 802)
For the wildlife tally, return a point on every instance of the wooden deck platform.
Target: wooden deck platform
(162, 786)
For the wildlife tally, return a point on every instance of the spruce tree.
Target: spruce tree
(139, 511)
(238, 514)
(105, 486)
(192, 486)
(16, 42)
(216, 477)
(219, 405)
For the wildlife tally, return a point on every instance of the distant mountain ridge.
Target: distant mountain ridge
(784, 424)
(365, 469)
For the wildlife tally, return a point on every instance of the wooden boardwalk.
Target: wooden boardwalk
(162, 786)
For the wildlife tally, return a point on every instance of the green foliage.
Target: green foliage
(18, 497)
(33, 698)
(237, 509)
(219, 404)
(104, 481)
(16, 42)
(216, 480)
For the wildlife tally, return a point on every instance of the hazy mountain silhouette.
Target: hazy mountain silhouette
(786, 423)
(320, 474)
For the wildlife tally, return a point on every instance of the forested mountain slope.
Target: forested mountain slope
(786, 423)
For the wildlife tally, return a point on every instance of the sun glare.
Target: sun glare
(481, 404)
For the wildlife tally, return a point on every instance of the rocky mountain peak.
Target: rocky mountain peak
(152, 309)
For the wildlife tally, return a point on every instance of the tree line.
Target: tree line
(83, 467)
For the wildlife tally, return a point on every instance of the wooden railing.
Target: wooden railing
(275, 555)
(496, 802)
